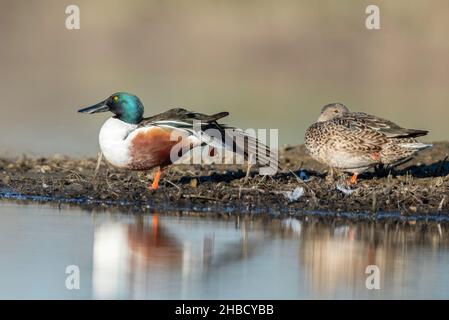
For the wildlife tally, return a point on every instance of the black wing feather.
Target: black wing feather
(183, 115)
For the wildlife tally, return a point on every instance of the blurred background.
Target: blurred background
(272, 64)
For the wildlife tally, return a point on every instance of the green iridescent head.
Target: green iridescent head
(126, 106)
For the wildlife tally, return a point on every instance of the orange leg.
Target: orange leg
(157, 177)
(353, 179)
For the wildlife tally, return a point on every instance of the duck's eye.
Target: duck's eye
(115, 98)
(335, 111)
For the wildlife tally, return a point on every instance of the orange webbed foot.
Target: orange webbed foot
(353, 179)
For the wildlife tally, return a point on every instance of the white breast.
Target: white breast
(115, 141)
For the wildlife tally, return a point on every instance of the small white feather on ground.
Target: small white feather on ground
(294, 195)
(345, 190)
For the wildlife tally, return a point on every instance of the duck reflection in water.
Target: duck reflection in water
(133, 259)
(178, 258)
(336, 256)
(127, 254)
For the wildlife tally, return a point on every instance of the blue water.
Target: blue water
(157, 256)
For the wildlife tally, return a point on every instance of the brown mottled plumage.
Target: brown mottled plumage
(355, 141)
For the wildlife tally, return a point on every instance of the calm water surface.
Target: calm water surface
(156, 257)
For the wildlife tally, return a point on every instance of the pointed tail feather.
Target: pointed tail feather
(413, 133)
(416, 145)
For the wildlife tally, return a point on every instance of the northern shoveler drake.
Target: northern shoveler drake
(355, 141)
(130, 141)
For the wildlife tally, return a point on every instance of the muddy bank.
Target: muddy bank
(418, 188)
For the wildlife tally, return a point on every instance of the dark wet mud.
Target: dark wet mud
(417, 189)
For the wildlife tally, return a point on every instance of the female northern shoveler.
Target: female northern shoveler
(355, 141)
(127, 140)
